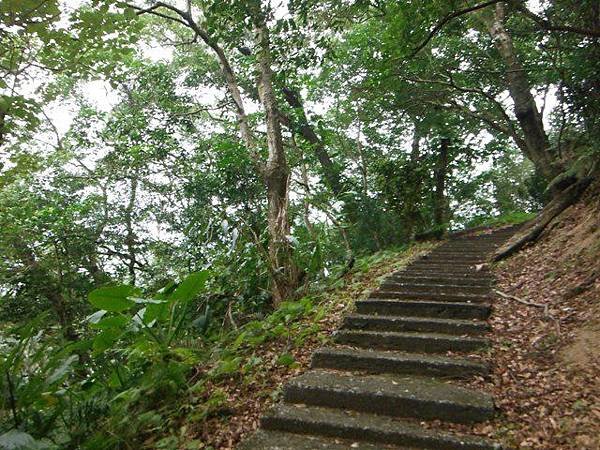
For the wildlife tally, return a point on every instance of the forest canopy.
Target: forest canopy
(173, 170)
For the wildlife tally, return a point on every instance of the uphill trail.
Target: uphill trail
(398, 375)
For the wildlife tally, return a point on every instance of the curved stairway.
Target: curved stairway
(397, 361)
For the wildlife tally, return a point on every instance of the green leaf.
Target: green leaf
(113, 298)
(159, 312)
(106, 339)
(129, 13)
(285, 360)
(190, 287)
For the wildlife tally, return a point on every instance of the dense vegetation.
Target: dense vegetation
(179, 179)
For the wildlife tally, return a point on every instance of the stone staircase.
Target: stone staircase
(397, 362)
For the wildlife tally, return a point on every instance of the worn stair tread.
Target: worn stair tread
(404, 323)
(472, 276)
(411, 341)
(425, 279)
(377, 361)
(424, 308)
(434, 287)
(406, 396)
(441, 296)
(279, 440)
(368, 427)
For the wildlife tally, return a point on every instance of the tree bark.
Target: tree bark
(525, 108)
(130, 238)
(276, 174)
(441, 170)
(558, 204)
(411, 211)
(330, 171)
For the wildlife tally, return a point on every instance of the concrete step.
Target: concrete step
(373, 361)
(417, 324)
(445, 272)
(479, 257)
(465, 254)
(447, 265)
(278, 440)
(463, 271)
(365, 427)
(439, 279)
(410, 341)
(417, 397)
(420, 308)
(434, 288)
(440, 296)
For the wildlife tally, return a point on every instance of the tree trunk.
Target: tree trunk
(130, 238)
(276, 173)
(330, 171)
(411, 211)
(532, 231)
(525, 108)
(441, 170)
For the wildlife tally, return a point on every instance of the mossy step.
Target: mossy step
(417, 397)
(437, 296)
(422, 308)
(278, 440)
(418, 324)
(373, 361)
(410, 342)
(432, 280)
(441, 288)
(367, 427)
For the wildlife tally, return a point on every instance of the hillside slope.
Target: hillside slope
(547, 334)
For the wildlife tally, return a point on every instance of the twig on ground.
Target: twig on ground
(537, 305)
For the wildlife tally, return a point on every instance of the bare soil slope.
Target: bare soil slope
(546, 333)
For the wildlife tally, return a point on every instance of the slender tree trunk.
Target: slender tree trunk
(276, 173)
(2, 126)
(525, 108)
(412, 212)
(130, 238)
(441, 170)
(362, 159)
(330, 171)
(234, 91)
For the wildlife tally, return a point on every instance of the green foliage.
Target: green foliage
(105, 201)
(513, 218)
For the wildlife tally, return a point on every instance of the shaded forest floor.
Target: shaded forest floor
(546, 358)
(246, 394)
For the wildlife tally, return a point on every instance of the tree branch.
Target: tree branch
(548, 26)
(445, 20)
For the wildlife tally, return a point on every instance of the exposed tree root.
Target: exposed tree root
(561, 202)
